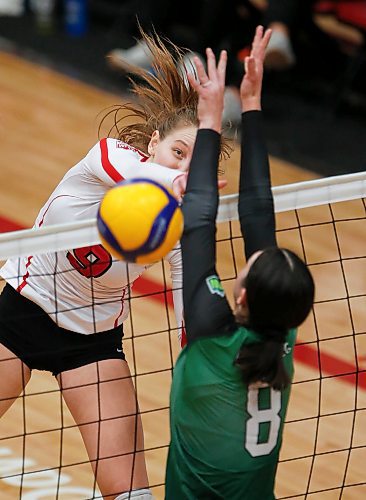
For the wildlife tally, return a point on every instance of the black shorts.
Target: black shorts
(28, 331)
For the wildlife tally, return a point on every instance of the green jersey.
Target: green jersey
(225, 436)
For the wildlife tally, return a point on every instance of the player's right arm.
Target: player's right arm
(111, 161)
(256, 210)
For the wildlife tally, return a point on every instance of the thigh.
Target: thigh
(102, 400)
(30, 333)
(14, 376)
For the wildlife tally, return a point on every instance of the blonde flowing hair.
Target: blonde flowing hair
(164, 98)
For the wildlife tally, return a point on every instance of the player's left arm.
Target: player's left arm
(206, 309)
(256, 209)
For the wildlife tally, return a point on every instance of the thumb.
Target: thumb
(179, 186)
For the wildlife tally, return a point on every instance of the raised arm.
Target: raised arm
(256, 211)
(206, 310)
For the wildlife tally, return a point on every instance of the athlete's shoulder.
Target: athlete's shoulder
(116, 146)
(108, 159)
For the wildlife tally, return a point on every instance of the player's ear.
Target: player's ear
(154, 141)
(241, 306)
(241, 299)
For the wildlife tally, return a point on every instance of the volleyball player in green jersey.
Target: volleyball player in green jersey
(231, 382)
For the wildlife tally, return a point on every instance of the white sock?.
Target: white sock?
(143, 494)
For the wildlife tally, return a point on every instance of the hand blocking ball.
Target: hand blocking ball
(139, 221)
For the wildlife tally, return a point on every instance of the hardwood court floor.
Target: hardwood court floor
(48, 122)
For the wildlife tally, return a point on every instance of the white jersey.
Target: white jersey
(85, 290)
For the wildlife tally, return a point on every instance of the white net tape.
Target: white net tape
(288, 197)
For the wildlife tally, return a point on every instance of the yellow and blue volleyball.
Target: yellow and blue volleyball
(140, 221)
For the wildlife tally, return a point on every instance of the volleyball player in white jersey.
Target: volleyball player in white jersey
(97, 300)
(63, 312)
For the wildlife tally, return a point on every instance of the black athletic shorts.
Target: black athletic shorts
(28, 331)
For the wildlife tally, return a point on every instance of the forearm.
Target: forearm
(201, 198)
(152, 171)
(200, 206)
(256, 211)
(198, 242)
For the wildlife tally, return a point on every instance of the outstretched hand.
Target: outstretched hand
(251, 85)
(210, 87)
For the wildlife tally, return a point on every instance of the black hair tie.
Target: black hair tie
(271, 334)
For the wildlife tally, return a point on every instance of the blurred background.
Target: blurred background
(315, 70)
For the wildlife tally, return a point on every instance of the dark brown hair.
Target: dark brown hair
(280, 294)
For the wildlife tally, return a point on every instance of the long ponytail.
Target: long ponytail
(263, 361)
(280, 294)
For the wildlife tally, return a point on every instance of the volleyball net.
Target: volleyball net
(324, 447)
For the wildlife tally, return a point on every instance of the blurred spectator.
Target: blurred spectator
(283, 17)
(11, 7)
(150, 15)
(219, 24)
(295, 35)
(204, 23)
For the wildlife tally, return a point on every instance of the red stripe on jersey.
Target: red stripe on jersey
(26, 276)
(183, 340)
(107, 165)
(122, 307)
(143, 156)
(50, 203)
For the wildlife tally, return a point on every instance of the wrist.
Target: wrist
(252, 104)
(210, 124)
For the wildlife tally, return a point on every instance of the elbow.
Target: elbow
(251, 205)
(199, 211)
